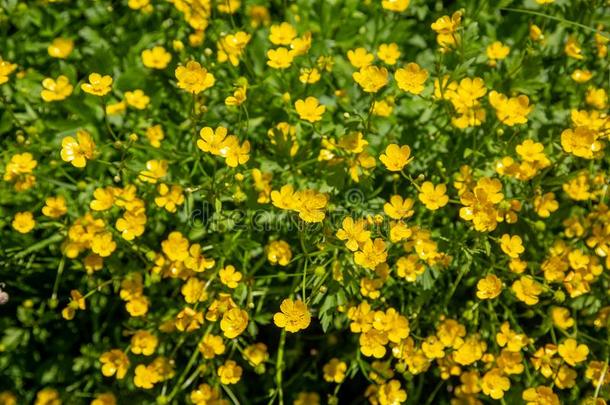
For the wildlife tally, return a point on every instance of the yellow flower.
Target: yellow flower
(256, 354)
(527, 290)
(114, 362)
(285, 198)
(309, 75)
(561, 317)
(278, 252)
(494, 383)
(155, 169)
(398, 208)
(231, 46)
(411, 78)
(467, 94)
(373, 253)
(510, 111)
(310, 205)
(360, 57)
(229, 276)
(259, 15)
(536, 33)
(193, 78)
(131, 224)
(211, 346)
(104, 198)
(234, 322)
(470, 351)
(280, 58)
(309, 109)
(540, 395)
(581, 76)
(156, 58)
(545, 204)
(391, 392)
(533, 152)
(396, 157)
(238, 97)
(47, 396)
(23, 222)
(433, 348)
(489, 287)
(137, 99)
(60, 48)
(229, 372)
(106, 398)
(389, 53)
(372, 343)
(573, 49)
(169, 198)
(137, 306)
(511, 245)
(189, 320)
(571, 352)
(6, 68)
(20, 163)
(212, 141)
(155, 135)
(54, 207)
(102, 244)
(282, 34)
(334, 371)
(77, 301)
(56, 90)
(582, 142)
(229, 6)
(409, 267)
(371, 78)
(354, 233)
(194, 290)
(205, 395)
(116, 108)
(383, 108)
(307, 398)
(98, 85)
(138, 4)
(78, 151)
(445, 28)
(145, 377)
(143, 342)
(293, 317)
(234, 153)
(497, 51)
(392, 323)
(433, 197)
(397, 6)
(597, 98)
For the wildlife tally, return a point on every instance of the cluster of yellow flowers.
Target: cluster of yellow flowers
(405, 196)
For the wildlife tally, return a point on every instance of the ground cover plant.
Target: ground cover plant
(304, 202)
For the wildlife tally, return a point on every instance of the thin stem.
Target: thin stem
(561, 20)
(279, 365)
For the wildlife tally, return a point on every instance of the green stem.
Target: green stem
(561, 20)
(279, 365)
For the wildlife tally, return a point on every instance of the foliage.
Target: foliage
(336, 201)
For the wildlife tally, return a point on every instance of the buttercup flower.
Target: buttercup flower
(309, 109)
(396, 157)
(293, 317)
(156, 58)
(56, 90)
(98, 85)
(193, 78)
